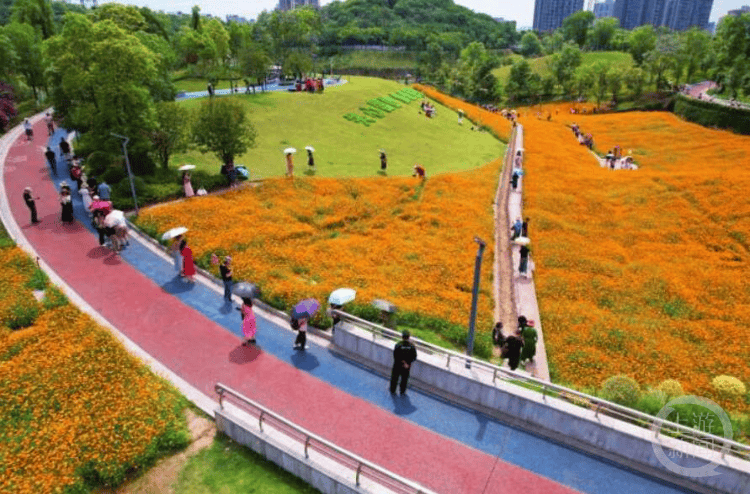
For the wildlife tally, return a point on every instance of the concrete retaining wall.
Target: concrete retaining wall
(624, 443)
(282, 455)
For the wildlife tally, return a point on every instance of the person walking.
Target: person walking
(383, 160)
(225, 268)
(310, 159)
(50, 155)
(404, 354)
(64, 149)
(104, 191)
(514, 179)
(86, 198)
(66, 203)
(512, 349)
(299, 325)
(289, 165)
(516, 229)
(187, 185)
(29, 200)
(248, 321)
(188, 266)
(530, 337)
(28, 129)
(176, 255)
(524, 263)
(98, 222)
(497, 335)
(50, 124)
(525, 228)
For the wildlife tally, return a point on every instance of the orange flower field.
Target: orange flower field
(641, 272)
(391, 238)
(72, 400)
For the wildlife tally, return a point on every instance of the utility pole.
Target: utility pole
(125, 141)
(474, 295)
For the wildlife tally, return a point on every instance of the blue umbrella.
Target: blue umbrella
(305, 308)
(341, 296)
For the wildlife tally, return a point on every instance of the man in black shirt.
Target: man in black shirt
(50, 155)
(403, 355)
(226, 276)
(29, 199)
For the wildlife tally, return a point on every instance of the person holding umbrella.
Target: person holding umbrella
(383, 160)
(336, 300)
(29, 200)
(310, 159)
(248, 321)
(289, 152)
(187, 185)
(300, 315)
(188, 266)
(404, 354)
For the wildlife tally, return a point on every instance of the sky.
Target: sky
(521, 11)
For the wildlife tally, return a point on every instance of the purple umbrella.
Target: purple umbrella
(305, 308)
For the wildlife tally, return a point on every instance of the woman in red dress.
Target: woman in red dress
(188, 266)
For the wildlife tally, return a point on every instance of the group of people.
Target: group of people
(311, 85)
(583, 139)
(615, 161)
(520, 346)
(427, 108)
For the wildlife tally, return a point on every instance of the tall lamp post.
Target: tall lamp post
(125, 141)
(474, 295)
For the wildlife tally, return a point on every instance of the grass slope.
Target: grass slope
(344, 148)
(541, 65)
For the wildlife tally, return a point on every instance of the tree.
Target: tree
(662, 58)
(641, 41)
(601, 81)
(614, 83)
(215, 30)
(8, 56)
(36, 13)
(635, 80)
(254, 63)
(31, 65)
(127, 17)
(171, 132)
(519, 86)
(576, 26)
(695, 46)
(297, 64)
(564, 64)
(530, 45)
(553, 42)
(195, 19)
(600, 36)
(221, 127)
(584, 80)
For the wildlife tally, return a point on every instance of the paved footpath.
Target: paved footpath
(190, 331)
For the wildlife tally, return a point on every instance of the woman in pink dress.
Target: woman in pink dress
(187, 185)
(248, 321)
(188, 266)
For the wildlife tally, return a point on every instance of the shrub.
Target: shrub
(671, 387)
(728, 386)
(621, 389)
(22, 314)
(652, 402)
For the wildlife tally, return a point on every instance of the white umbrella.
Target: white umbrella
(115, 218)
(522, 241)
(185, 168)
(310, 148)
(290, 151)
(342, 296)
(170, 234)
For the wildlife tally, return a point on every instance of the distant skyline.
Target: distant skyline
(521, 11)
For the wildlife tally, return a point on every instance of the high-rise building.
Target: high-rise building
(549, 14)
(745, 9)
(604, 9)
(293, 4)
(677, 15)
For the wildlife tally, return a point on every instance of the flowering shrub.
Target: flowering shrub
(75, 407)
(671, 388)
(621, 389)
(728, 386)
(639, 273)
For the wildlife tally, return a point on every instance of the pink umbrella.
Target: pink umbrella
(105, 205)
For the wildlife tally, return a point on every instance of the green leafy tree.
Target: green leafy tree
(584, 80)
(101, 76)
(662, 58)
(215, 30)
(614, 82)
(171, 132)
(26, 41)
(127, 17)
(221, 127)
(553, 42)
(576, 27)
(601, 34)
(433, 57)
(297, 63)
(641, 41)
(520, 85)
(195, 19)
(694, 49)
(37, 13)
(635, 80)
(564, 64)
(601, 81)
(254, 63)
(8, 56)
(530, 45)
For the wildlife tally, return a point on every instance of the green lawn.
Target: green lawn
(228, 468)
(360, 59)
(541, 65)
(344, 148)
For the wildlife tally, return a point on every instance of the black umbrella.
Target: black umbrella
(246, 290)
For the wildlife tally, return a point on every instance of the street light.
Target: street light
(125, 141)
(474, 294)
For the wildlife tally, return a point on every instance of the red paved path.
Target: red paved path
(203, 353)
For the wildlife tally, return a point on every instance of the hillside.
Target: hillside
(541, 65)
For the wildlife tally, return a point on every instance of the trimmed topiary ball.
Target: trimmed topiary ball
(671, 387)
(728, 386)
(621, 389)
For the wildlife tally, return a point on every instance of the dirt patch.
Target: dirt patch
(161, 478)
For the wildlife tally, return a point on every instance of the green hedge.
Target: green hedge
(713, 115)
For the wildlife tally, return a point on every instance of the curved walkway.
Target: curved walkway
(195, 337)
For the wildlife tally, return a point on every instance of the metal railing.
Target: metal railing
(547, 389)
(312, 442)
